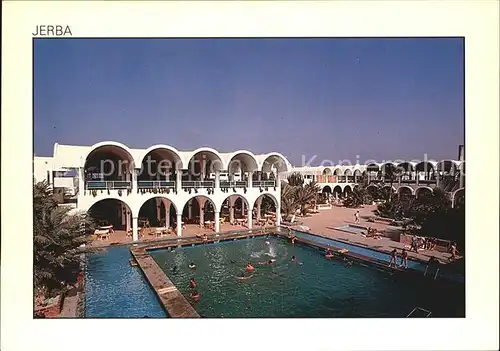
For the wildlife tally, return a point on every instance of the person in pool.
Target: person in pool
(250, 268)
(294, 259)
(243, 276)
(195, 295)
(192, 265)
(347, 262)
(271, 261)
(192, 283)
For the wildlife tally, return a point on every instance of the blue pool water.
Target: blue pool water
(357, 249)
(114, 289)
(319, 288)
(416, 265)
(314, 287)
(352, 228)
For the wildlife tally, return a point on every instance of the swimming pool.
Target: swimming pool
(315, 287)
(114, 289)
(416, 265)
(351, 228)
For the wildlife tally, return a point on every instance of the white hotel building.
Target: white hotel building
(177, 183)
(89, 175)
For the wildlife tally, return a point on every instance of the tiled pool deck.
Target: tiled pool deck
(171, 299)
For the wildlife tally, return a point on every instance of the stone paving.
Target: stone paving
(171, 298)
(190, 230)
(70, 305)
(325, 222)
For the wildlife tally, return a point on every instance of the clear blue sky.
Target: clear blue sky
(381, 99)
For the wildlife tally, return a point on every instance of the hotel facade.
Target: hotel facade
(180, 185)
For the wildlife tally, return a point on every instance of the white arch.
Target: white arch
(327, 171)
(236, 196)
(252, 168)
(429, 163)
(358, 172)
(454, 195)
(347, 172)
(373, 165)
(278, 155)
(388, 186)
(345, 187)
(337, 186)
(423, 187)
(407, 187)
(191, 154)
(156, 196)
(179, 162)
(453, 164)
(111, 197)
(216, 208)
(121, 146)
(462, 167)
(338, 171)
(409, 169)
(274, 198)
(329, 187)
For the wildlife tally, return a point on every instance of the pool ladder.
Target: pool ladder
(421, 310)
(435, 274)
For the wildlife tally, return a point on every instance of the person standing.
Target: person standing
(454, 252)
(404, 259)
(356, 217)
(393, 258)
(414, 243)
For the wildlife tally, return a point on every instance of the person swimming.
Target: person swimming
(268, 243)
(250, 268)
(243, 276)
(294, 259)
(348, 262)
(271, 261)
(192, 283)
(192, 265)
(195, 295)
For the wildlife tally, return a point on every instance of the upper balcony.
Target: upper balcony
(111, 167)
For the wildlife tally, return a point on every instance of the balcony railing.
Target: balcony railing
(233, 184)
(151, 184)
(188, 184)
(115, 184)
(263, 183)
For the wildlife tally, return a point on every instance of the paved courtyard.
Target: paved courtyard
(325, 222)
(322, 223)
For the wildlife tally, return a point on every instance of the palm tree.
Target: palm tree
(289, 203)
(306, 195)
(357, 197)
(58, 236)
(295, 179)
(392, 173)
